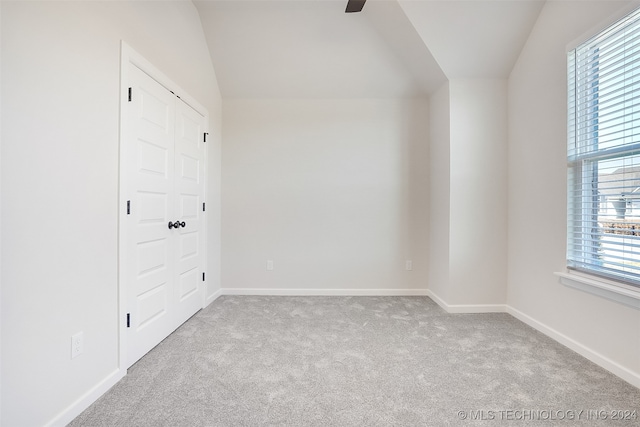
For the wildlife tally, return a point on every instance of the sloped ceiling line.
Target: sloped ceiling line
(392, 49)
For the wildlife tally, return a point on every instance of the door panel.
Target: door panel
(150, 177)
(188, 245)
(189, 283)
(152, 305)
(152, 208)
(164, 161)
(189, 179)
(189, 168)
(154, 159)
(190, 207)
(152, 257)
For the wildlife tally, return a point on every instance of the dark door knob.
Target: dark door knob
(177, 224)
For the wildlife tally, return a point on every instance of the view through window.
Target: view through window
(604, 153)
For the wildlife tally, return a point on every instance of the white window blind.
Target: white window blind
(604, 153)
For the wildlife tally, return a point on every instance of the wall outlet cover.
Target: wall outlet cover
(77, 344)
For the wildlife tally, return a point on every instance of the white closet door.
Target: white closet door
(150, 178)
(189, 189)
(164, 161)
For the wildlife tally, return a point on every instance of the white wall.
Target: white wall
(60, 114)
(468, 195)
(335, 192)
(607, 331)
(439, 179)
(478, 191)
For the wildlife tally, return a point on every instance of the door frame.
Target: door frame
(129, 56)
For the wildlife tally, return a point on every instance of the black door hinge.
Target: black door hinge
(128, 207)
(203, 276)
(202, 206)
(128, 320)
(129, 94)
(205, 136)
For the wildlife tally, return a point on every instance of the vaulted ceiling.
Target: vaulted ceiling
(393, 48)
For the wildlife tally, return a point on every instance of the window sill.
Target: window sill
(609, 289)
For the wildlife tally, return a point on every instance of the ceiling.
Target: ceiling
(393, 48)
(479, 39)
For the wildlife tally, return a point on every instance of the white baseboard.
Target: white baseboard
(615, 368)
(213, 297)
(325, 292)
(467, 308)
(633, 378)
(77, 407)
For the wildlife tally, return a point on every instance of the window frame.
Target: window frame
(582, 167)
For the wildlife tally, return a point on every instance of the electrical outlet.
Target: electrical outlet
(269, 265)
(77, 344)
(408, 265)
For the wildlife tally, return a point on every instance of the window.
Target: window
(604, 153)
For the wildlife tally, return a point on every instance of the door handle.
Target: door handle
(176, 224)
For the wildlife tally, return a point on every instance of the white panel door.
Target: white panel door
(189, 191)
(165, 183)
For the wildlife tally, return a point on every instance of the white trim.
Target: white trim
(129, 56)
(125, 53)
(603, 25)
(629, 376)
(325, 292)
(467, 308)
(86, 400)
(615, 368)
(211, 298)
(609, 289)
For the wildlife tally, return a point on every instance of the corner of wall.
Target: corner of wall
(601, 330)
(469, 187)
(439, 196)
(313, 191)
(214, 181)
(85, 254)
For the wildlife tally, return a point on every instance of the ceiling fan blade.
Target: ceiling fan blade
(355, 6)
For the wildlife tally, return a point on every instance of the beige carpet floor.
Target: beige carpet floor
(360, 361)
